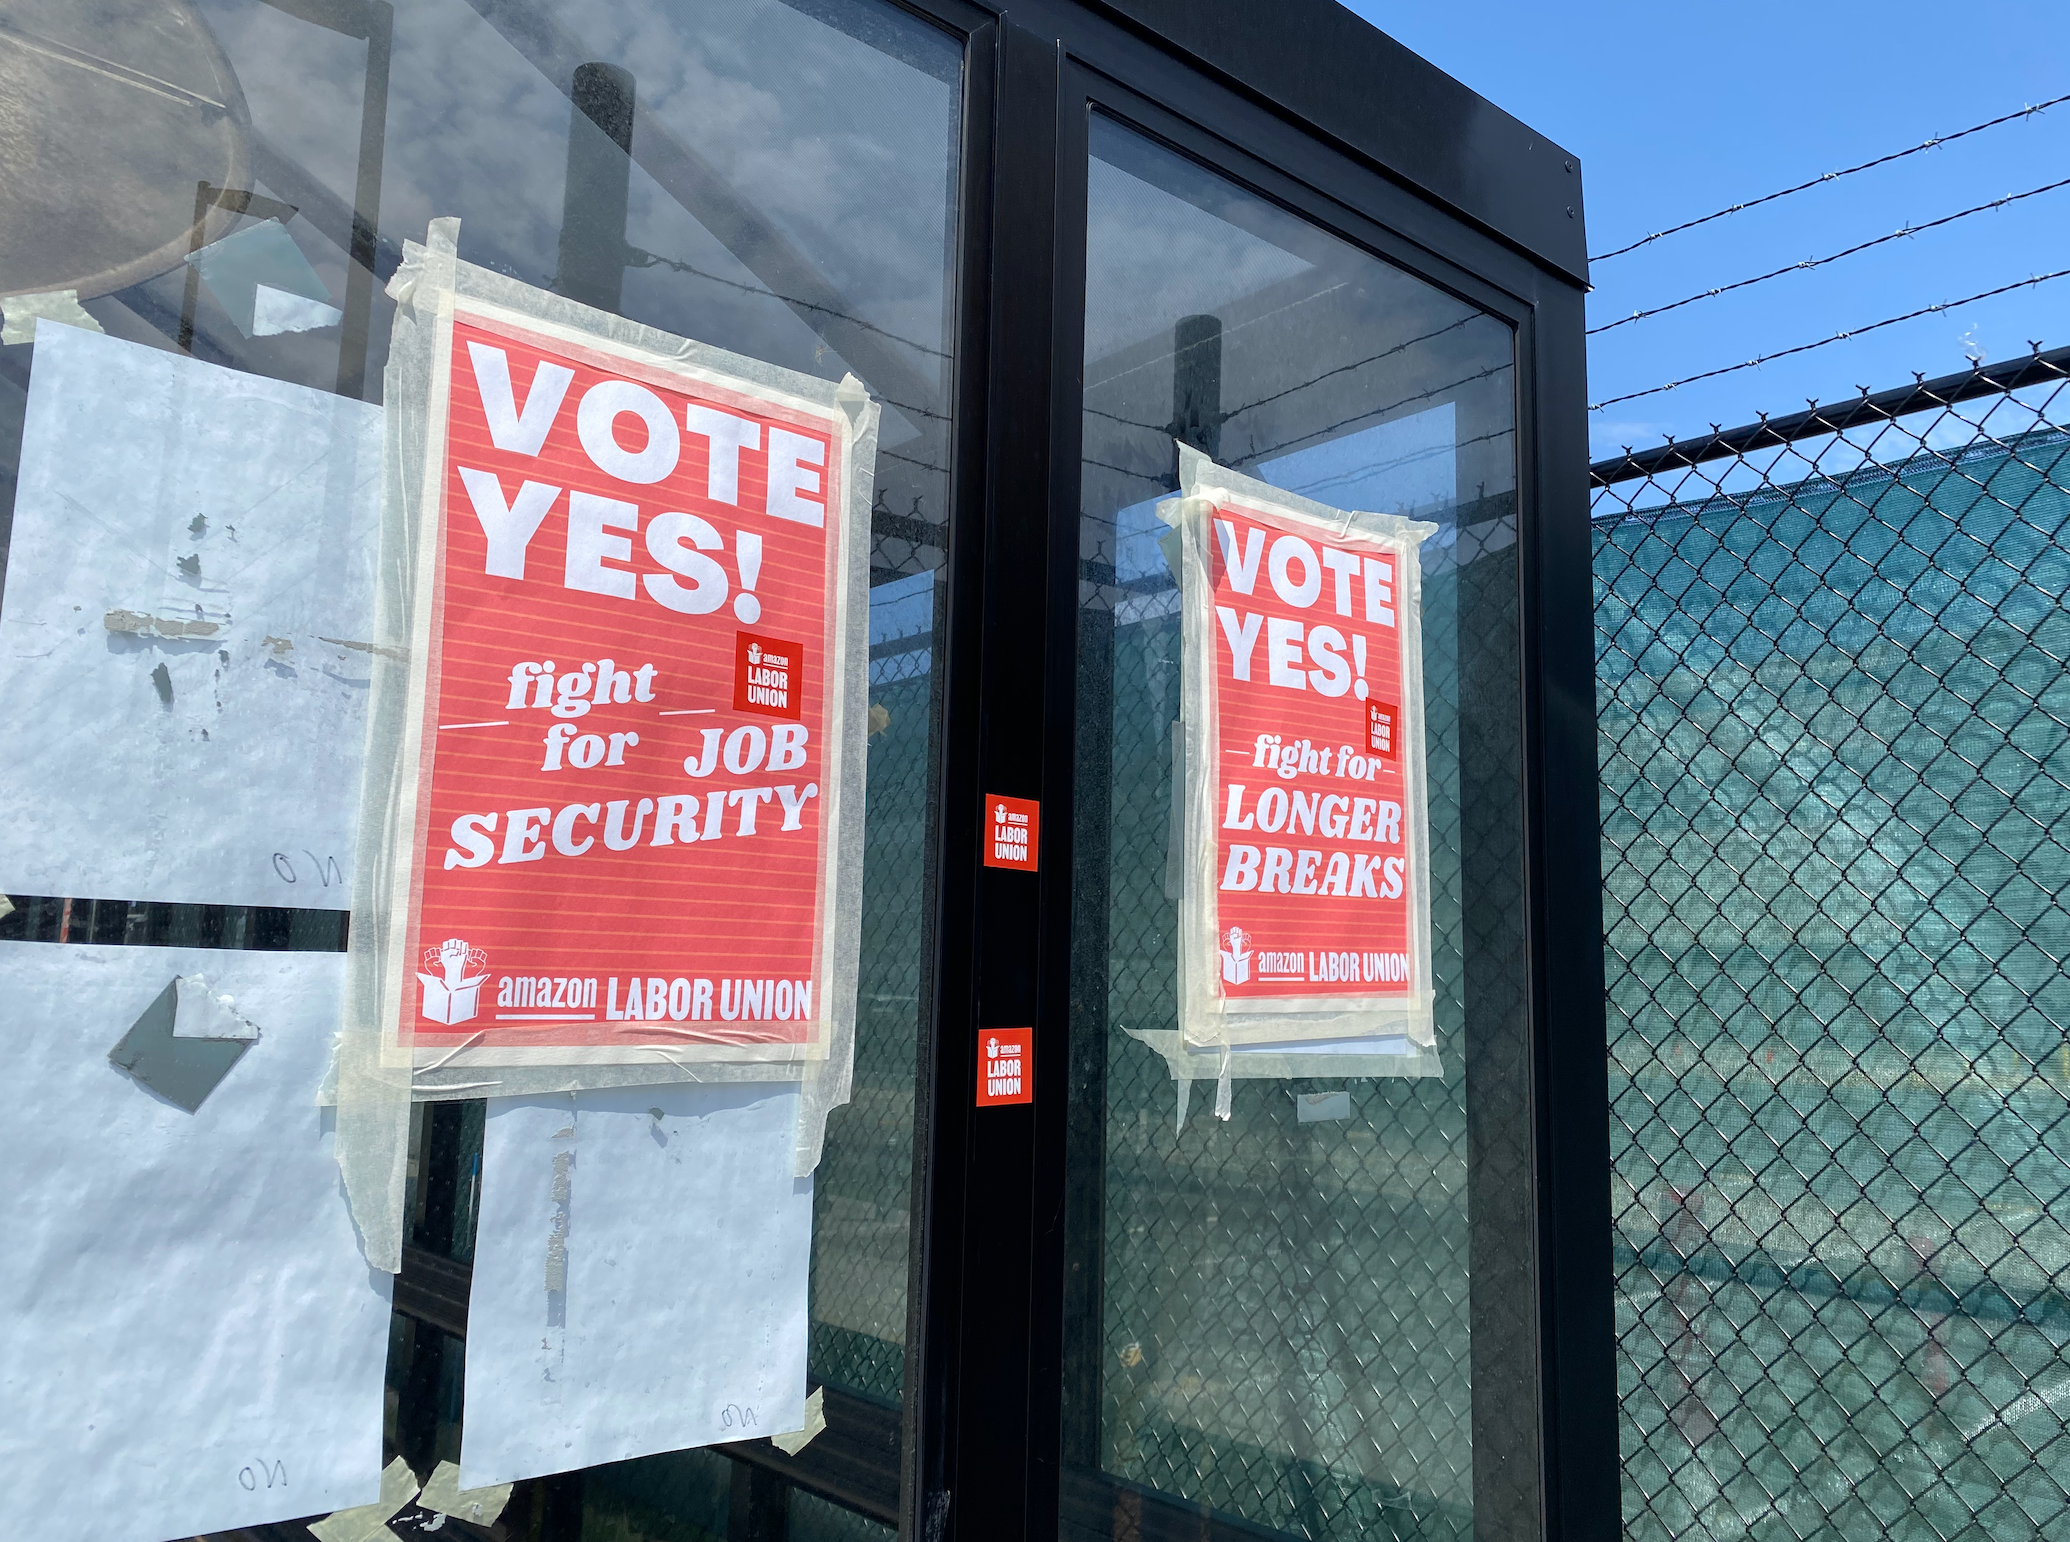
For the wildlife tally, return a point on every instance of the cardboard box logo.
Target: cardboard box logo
(451, 996)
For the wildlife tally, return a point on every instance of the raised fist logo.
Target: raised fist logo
(1236, 958)
(452, 996)
(754, 653)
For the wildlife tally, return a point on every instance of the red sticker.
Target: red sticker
(1011, 827)
(1006, 1066)
(768, 676)
(1382, 729)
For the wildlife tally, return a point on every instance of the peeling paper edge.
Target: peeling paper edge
(1205, 1022)
(189, 986)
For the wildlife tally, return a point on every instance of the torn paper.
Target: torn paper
(23, 311)
(264, 283)
(190, 1340)
(480, 1506)
(680, 1243)
(204, 1012)
(1322, 1107)
(186, 541)
(185, 1042)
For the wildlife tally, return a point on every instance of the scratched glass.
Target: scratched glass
(1288, 1316)
(231, 181)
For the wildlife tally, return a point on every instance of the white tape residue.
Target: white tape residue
(1320, 1107)
(202, 1013)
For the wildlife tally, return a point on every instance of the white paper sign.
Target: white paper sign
(184, 629)
(189, 1338)
(639, 1277)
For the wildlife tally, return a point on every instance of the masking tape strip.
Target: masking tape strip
(1205, 1019)
(376, 1080)
(444, 1494)
(373, 1079)
(1189, 1063)
(23, 311)
(791, 1442)
(829, 1082)
(365, 1523)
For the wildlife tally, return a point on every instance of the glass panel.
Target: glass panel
(773, 177)
(1298, 1317)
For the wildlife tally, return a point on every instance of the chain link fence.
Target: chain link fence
(862, 1200)
(1832, 707)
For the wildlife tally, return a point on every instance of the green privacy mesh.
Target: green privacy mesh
(1832, 710)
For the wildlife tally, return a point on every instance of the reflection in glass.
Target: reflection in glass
(775, 179)
(1280, 1326)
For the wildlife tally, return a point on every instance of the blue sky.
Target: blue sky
(1679, 110)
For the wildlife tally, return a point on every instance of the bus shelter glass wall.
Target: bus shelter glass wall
(775, 179)
(1311, 1318)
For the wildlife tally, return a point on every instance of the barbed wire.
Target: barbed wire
(1341, 369)
(1847, 171)
(638, 257)
(1825, 342)
(1254, 454)
(1313, 436)
(1819, 262)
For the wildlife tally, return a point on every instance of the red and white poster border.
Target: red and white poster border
(434, 292)
(1210, 1017)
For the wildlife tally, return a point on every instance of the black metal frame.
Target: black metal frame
(1316, 111)
(1978, 380)
(1312, 109)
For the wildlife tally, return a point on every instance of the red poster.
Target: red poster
(629, 720)
(1308, 903)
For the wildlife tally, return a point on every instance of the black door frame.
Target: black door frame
(1306, 105)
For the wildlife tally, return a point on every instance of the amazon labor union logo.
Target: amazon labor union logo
(1236, 958)
(453, 995)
